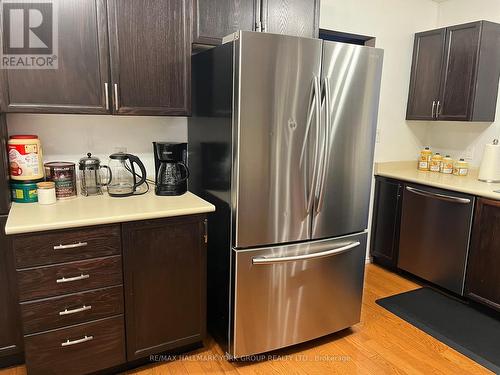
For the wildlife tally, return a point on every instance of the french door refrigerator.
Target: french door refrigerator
(281, 141)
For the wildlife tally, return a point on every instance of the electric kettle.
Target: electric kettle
(124, 177)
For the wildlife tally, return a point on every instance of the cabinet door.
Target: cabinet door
(483, 278)
(292, 17)
(4, 169)
(165, 284)
(10, 327)
(214, 19)
(428, 50)
(386, 221)
(78, 85)
(150, 56)
(459, 72)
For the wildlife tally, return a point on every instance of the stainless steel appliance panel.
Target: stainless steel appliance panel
(277, 83)
(435, 233)
(350, 85)
(289, 294)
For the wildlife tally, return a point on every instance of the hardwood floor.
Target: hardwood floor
(381, 344)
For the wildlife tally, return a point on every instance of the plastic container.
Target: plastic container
(25, 157)
(461, 168)
(424, 159)
(46, 192)
(22, 192)
(436, 161)
(446, 165)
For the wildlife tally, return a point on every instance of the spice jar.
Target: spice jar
(46, 192)
(436, 160)
(424, 159)
(447, 165)
(461, 168)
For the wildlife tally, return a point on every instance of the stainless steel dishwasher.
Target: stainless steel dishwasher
(435, 232)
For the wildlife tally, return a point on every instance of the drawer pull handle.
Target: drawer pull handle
(74, 311)
(70, 279)
(69, 342)
(70, 246)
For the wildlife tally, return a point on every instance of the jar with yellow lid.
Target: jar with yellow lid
(424, 159)
(446, 165)
(436, 161)
(461, 168)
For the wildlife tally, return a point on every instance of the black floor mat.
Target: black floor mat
(464, 328)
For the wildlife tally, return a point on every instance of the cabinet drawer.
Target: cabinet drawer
(71, 309)
(79, 349)
(71, 277)
(66, 245)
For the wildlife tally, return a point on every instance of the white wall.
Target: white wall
(70, 137)
(457, 138)
(393, 23)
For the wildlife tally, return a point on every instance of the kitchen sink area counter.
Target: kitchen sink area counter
(407, 171)
(102, 209)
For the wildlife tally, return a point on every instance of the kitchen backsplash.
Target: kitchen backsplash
(70, 137)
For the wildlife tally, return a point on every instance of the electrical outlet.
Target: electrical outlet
(469, 153)
(377, 136)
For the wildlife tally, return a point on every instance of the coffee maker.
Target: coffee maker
(171, 169)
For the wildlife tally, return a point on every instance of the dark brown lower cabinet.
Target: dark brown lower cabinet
(11, 340)
(79, 349)
(483, 279)
(164, 265)
(386, 221)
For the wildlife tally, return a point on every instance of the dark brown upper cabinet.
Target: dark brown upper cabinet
(79, 83)
(455, 72)
(150, 48)
(483, 279)
(215, 19)
(428, 53)
(292, 17)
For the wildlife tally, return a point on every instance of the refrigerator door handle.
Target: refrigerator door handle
(314, 109)
(322, 254)
(326, 154)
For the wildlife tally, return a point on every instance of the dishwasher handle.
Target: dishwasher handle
(443, 197)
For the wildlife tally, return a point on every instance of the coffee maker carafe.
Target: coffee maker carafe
(171, 170)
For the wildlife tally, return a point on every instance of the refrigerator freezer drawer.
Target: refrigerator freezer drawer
(289, 294)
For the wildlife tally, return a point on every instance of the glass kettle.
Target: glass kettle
(125, 181)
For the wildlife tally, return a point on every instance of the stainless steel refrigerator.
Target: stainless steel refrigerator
(281, 141)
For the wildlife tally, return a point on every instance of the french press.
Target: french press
(90, 175)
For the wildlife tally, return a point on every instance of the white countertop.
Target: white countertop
(407, 171)
(103, 209)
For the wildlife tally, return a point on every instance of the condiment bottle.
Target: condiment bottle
(461, 168)
(447, 165)
(424, 159)
(46, 192)
(436, 161)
